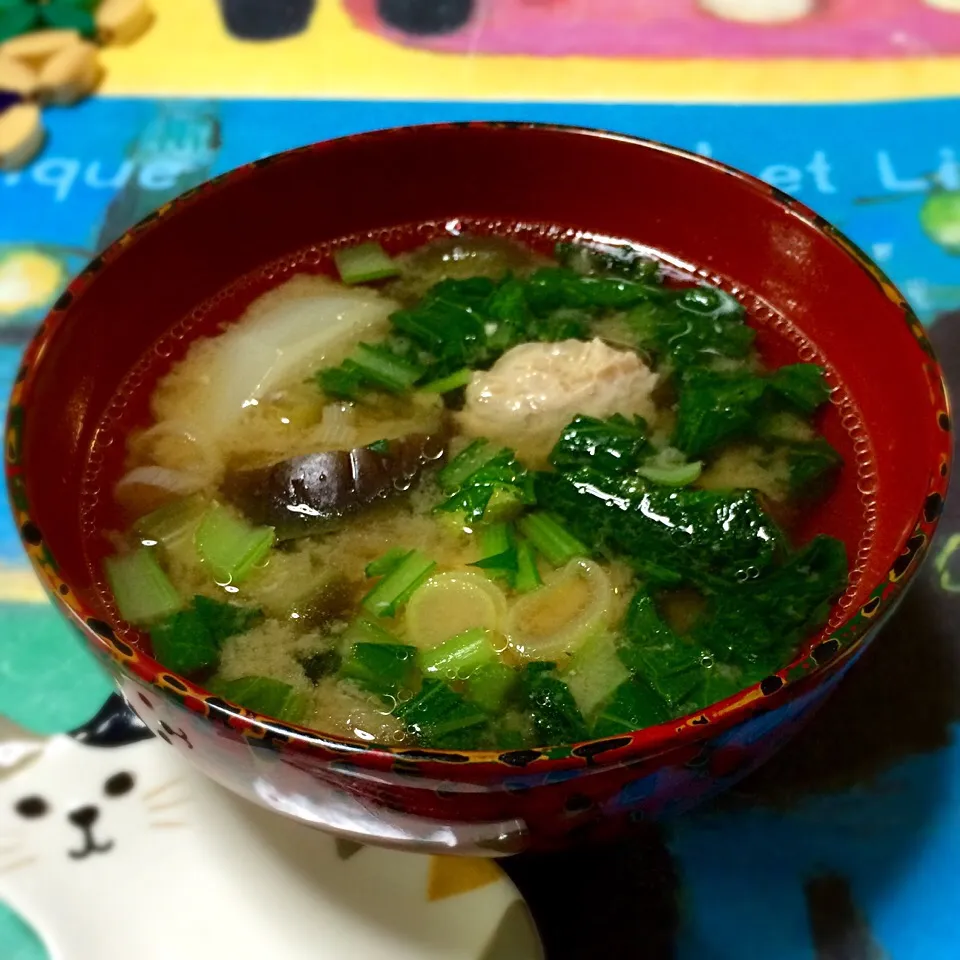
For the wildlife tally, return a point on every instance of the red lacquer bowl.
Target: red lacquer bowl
(889, 417)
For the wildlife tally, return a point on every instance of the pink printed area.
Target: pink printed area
(679, 28)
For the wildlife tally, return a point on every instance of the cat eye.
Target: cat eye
(118, 784)
(31, 807)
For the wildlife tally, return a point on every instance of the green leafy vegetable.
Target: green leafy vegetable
(468, 461)
(802, 385)
(461, 325)
(704, 537)
(556, 717)
(503, 476)
(760, 622)
(652, 651)
(381, 668)
(633, 706)
(614, 446)
(610, 260)
(190, 640)
(346, 382)
(555, 288)
(715, 408)
(717, 682)
(182, 643)
(370, 366)
(264, 695)
(440, 717)
(692, 328)
(812, 466)
(225, 620)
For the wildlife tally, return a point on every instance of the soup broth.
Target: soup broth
(474, 497)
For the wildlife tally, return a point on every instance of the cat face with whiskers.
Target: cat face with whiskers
(77, 804)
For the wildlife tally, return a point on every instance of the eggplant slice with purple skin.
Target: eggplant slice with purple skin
(303, 495)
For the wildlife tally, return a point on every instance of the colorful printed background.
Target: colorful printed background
(846, 848)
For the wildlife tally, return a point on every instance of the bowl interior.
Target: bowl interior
(721, 225)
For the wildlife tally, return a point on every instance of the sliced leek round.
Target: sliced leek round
(449, 604)
(574, 603)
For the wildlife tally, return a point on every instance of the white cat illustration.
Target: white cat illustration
(113, 852)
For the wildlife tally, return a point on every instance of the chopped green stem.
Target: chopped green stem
(490, 684)
(394, 589)
(140, 587)
(499, 551)
(466, 462)
(496, 539)
(363, 630)
(171, 522)
(551, 539)
(681, 475)
(528, 576)
(387, 563)
(452, 382)
(505, 503)
(230, 546)
(458, 657)
(385, 369)
(363, 263)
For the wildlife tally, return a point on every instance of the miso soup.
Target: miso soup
(474, 497)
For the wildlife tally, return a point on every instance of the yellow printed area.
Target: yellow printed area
(28, 279)
(188, 53)
(20, 585)
(450, 876)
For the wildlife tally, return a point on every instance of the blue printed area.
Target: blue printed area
(18, 940)
(874, 184)
(49, 680)
(896, 841)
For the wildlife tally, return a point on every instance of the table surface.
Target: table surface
(845, 846)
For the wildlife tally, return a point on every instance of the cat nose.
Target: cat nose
(84, 817)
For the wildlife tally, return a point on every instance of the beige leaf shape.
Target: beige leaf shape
(452, 875)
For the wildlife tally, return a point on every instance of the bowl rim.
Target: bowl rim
(804, 672)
